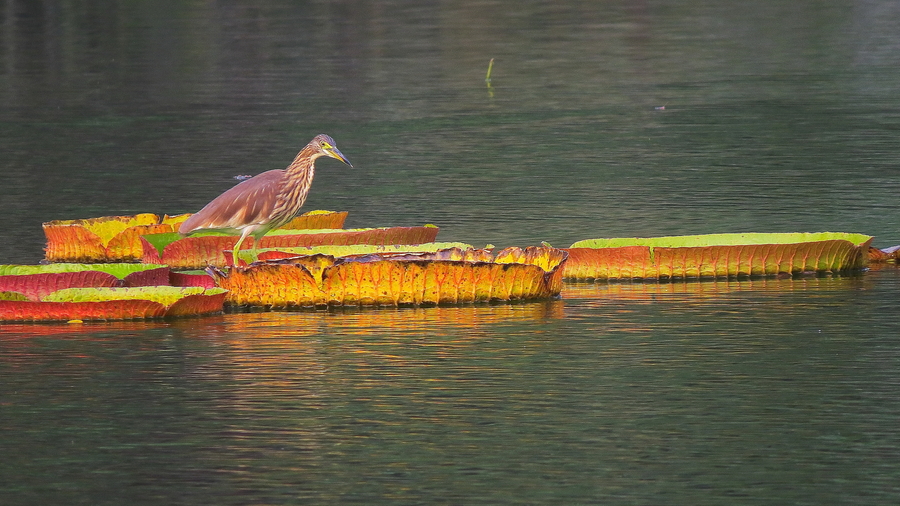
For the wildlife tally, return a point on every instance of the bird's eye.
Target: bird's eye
(325, 145)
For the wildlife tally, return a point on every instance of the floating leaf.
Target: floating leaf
(115, 304)
(178, 219)
(165, 295)
(106, 230)
(317, 220)
(117, 238)
(89, 240)
(350, 250)
(451, 276)
(36, 281)
(191, 278)
(205, 249)
(716, 255)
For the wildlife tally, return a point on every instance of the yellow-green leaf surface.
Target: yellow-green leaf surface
(213, 249)
(117, 238)
(103, 239)
(120, 271)
(115, 304)
(350, 250)
(165, 295)
(738, 239)
(36, 281)
(451, 276)
(316, 220)
(716, 255)
(107, 229)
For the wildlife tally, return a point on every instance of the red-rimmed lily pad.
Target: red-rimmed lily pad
(314, 220)
(117, 238)
(115, 304)
(450, 276)
(214, 249)
(716, 255)
(191, 278)
(103, 239)
(348, 250)
(36, 281)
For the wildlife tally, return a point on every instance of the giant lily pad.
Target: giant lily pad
(348, 250)
(191, 278)
(716, 255)
(213, 249)
(202, 278)
(117, 238)
(450, 276)
(36, 281)
(115, 304)
(104, 239)
(314, 220)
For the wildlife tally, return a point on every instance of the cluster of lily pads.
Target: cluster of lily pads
(127, 267)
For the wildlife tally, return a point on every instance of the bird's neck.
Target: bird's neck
(303, 163)
(297, 181)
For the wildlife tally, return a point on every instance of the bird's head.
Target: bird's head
(324, 145)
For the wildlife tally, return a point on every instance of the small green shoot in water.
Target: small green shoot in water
(487, 78)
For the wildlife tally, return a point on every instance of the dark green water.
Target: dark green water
(603, 120)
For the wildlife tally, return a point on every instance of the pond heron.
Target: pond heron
(266, 201)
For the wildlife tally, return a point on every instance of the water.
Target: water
(626, 119)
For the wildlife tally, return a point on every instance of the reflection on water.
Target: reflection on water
(689, 289)
(760, 388)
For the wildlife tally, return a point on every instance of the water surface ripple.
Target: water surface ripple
(603, 119)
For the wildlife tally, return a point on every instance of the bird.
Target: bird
(266, 201)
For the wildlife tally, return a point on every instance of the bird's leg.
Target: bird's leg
(254, 252)
(237, 246)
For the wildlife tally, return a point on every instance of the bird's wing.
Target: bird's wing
(248, 203)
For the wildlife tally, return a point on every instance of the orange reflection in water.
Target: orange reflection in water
(263, 343)
(437, 325)
(638, 291)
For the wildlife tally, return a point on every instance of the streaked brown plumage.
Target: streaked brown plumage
(267, 201)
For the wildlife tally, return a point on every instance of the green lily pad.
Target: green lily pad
(211, 248)
(737, 239)
(120, 270)
(165, 295)
(337, 250)
(716, 255)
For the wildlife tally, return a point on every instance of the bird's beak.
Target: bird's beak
(335, 153)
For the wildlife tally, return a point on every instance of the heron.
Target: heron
(266, 201)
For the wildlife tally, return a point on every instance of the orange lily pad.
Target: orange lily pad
(37, 281)
(117, 238)
(716, 255)
(348, 250)
(314, 220)
(104, 239)
(214, 249)
(115, 304)
(191, 278)
(451, 276)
